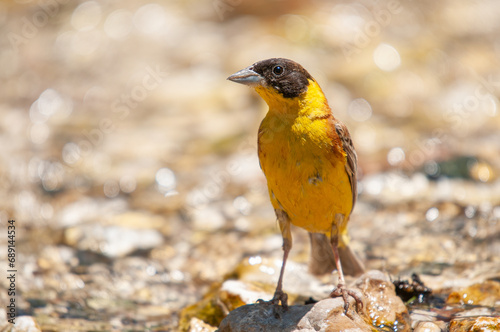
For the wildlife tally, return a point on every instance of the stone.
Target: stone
(486, 293)
(427, 327)
(325, 315)
(384, 307)
(197, 325)
(475, 324)
(112, 241)
(26, 324)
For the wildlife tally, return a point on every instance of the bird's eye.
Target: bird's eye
(278, 70)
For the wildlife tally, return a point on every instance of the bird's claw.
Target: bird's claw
(341, 290)
(279, 296)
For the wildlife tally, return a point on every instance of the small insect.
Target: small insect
(414, 292)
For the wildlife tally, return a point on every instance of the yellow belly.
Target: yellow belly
(306, 177)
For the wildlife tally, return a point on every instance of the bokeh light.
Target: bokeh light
(386, 57)
(360, 110)
(166, 181)
(86, 16)
(150, 19)
(395, 156)
(128, 184)
(432, 214)
(111, 188)
(118, 24)
(39, 133)
(71, 153)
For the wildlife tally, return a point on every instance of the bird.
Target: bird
(310, 164)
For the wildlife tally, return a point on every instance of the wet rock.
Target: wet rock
(427, 327)
(384, 307)
(325, 315)
(197, 325)
(420, 316)
(486, 294)
(475, 324)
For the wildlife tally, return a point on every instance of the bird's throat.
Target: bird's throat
(311, 103)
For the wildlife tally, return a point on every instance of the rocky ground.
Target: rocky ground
(129, 163)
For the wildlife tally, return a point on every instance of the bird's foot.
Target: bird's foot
(341, 290)
(279, 296)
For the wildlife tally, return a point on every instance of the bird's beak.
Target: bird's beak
(248, 77)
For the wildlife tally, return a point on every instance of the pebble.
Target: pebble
(26, 324)
(486, 293)
(197, 325)
(112, 241)
(485, 324)
(384, 307)
(427, 327)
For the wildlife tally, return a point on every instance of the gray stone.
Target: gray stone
(325, 315)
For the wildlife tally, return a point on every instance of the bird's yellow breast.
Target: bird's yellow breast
(303, 164)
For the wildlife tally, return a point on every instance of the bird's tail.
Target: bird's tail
(322, 260)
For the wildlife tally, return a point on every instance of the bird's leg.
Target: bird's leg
(341, 289)
(279, 295)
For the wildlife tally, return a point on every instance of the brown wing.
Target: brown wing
(351, 165)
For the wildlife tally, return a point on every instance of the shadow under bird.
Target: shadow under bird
(310, 164)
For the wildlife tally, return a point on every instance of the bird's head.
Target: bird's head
(275, 79)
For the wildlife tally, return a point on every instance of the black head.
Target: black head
(288, 77)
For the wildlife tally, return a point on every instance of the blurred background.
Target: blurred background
(129, 162)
